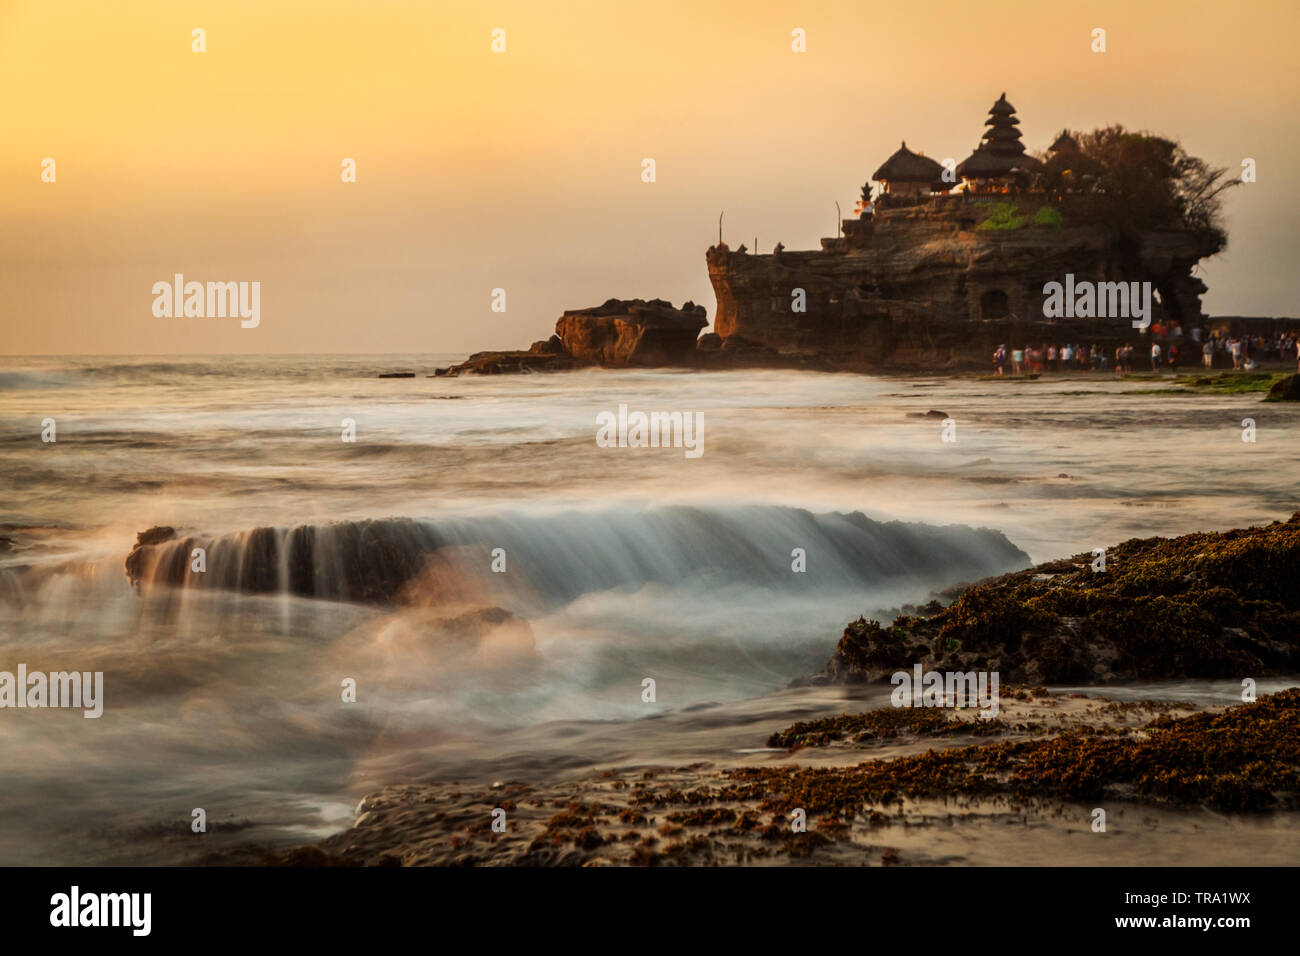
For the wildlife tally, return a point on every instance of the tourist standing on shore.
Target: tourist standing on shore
(1207, 355)
(1155, 356)
(1173, 357)
(1017, 360)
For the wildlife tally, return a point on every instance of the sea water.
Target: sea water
(626, 563)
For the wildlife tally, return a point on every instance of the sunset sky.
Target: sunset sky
(521, 170)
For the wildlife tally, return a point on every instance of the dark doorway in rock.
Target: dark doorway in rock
(994, 305)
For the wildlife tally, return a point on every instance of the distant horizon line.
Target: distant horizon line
(450, 352)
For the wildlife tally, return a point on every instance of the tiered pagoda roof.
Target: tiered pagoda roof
(1000, 151)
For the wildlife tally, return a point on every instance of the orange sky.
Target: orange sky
(522, 170)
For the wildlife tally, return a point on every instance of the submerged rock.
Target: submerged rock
(141, 554)
(555, 558)
(365, 561)
(154, 535)
(498, 363)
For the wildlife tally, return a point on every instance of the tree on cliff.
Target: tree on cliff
(1137, 182)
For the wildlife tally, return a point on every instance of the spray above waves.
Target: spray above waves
(537, 562)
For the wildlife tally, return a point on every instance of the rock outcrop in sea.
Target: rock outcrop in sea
(619, 333)
(636, 332)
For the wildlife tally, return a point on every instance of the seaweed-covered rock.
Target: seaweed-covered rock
(1245, 758)
(1210, 605)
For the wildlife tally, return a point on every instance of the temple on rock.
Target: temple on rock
(951, 259)
(947, 263)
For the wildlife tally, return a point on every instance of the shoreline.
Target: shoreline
(732, 811)
(857, 788)
(972, 371)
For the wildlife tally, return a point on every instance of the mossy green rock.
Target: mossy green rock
(1285, 390)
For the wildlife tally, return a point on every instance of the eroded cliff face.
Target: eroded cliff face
(631, 332)
(617, 334)
(923, 287)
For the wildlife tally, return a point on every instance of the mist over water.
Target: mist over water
(222, 690)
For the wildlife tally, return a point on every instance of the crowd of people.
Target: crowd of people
(1246, 351)
(1243, 352)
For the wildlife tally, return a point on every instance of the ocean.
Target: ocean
(223, 688)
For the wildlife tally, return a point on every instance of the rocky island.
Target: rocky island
(616, 334)
(947, 263)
